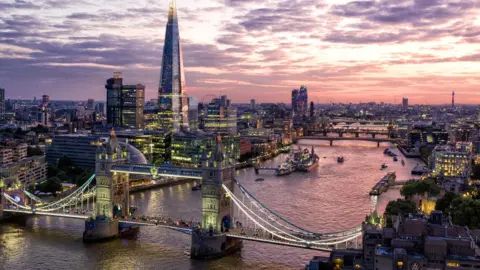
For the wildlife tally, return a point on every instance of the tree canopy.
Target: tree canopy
(443, 204)
(419, 188)
(400, 207)
(466, 212)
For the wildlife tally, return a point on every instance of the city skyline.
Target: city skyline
(247, 50)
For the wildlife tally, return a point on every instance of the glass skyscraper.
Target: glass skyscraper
(172, 98)
(300, 101)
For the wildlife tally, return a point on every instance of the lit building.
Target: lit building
(2, 106)
(172, 98)
(192, 114)
(187, 149)
(80, 149)
(13, 152)
(432, 136)
(221, 117)
(451, 163)
(405, 103)
(27, 171)
(161, 140)
(125, 103)
(300, 101)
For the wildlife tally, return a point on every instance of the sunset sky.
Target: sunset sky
(343, 51)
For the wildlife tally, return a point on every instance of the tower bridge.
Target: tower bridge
(228, 218)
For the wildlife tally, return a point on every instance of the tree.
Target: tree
(65, 163)
(400, 207)
(34, 151)
(443, 204)
(419, 188)
(476, 171)
(52, 185)
(466, 212)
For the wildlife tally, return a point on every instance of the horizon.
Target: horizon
(341, 50)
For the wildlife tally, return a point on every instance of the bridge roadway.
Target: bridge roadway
(248, 234)
(353, 131)
(156, 170)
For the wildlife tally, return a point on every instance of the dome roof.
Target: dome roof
(136, 157)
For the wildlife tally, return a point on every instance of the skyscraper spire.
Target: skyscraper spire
(172, 98)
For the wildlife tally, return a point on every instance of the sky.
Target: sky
(343, 51)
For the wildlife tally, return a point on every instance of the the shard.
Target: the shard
(172, 98)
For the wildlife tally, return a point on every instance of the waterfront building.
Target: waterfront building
(451, 163)
(245, 147)
(300, 101)
(161, 141)
(172, 96)
(26, 171)
(125, 103)
(187, 149)
(12, 151)
(405, 103)
(221, 117)
(79, 148)
(2, 106)
(258, 132)
(430, 135)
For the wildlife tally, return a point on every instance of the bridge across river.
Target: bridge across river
(332, 139)
(102, 203)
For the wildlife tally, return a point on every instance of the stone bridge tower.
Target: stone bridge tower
(217, 208)
(112, 193)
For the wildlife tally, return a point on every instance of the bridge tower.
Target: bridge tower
(112, 198)
(210, 240)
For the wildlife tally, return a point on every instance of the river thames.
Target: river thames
(330, 198)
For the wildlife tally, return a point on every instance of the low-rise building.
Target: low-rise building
(450, 162)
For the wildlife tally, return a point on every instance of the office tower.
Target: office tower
(192, 113)
(405, 103)
(124, 103)
(300, 101)
(90, 104)
(252, 104)
(172, 98)
(312, 109)
(221, 117)
(2, 106)
(45, 99)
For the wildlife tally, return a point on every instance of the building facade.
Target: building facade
(221, 117)
(172, 98)
(80, 149)
(450, 162)
(300, 101)
(125, 103)
(187, 149)
(2, 106)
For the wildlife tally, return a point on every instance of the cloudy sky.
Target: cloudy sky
(343, 51)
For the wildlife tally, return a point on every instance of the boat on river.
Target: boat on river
(259, 179)
(384, 166)
(308, 163)
(340, 159)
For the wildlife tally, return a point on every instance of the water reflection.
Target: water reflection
(333, 197)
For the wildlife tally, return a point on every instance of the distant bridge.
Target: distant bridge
(331, 139)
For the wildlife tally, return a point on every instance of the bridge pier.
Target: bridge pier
(325, 133)
(331, 142)
(209, 246)
(373, 135)
(340, 134)
(357, 134)
(378, 144)
(97, 230)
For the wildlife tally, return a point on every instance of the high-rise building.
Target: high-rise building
(300, 101)
(125, 103)
(192, 113)
(172, 98)
(252, 104)
(90, 104)
(221, 117)
(405, 103)
(45, 99)
(312, 109)
(2, 106)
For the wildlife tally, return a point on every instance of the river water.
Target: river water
(331, 198)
